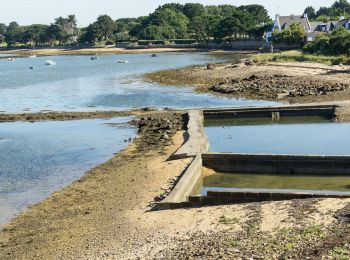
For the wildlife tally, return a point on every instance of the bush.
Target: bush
(340, 60)
(336, 43)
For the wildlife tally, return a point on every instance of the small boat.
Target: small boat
(154, 55)
(123, 61)
(32, 56)
(50, 63)
(93, 58)
(11, 59)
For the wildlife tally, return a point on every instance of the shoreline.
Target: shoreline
(292, 82)
(24, 53)
(20, 53)
(65, 116)
(106, 214)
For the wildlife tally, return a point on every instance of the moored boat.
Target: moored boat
(50, 63)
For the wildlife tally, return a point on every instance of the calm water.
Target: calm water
(290, 136)
(276, 183)
(6, 55)
(77, 83)
(39, 158)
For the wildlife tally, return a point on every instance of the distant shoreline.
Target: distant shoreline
(21, 53)
(89, 51)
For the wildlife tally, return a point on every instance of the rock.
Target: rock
(211, 66)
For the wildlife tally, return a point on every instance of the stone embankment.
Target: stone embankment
(157, 130)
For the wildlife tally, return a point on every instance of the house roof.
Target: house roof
(286, 21)
(317, 26)
(342, 22)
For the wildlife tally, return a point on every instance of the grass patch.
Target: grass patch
(292, 56)
(227, 221)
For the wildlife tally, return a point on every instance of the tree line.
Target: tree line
(169, 21)
(325, 14)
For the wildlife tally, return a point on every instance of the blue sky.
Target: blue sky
(44, 11)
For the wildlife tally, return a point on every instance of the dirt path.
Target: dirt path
(294, 82)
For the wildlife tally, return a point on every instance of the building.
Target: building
(319, 27)
(312, 29)
(283, 22)
(343, 23)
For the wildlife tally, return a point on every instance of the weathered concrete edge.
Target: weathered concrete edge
(227, 197)
(197, 142)
(290, 110)
(185, 186)
(278, 164)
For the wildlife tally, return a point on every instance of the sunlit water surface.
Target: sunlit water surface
(39, 158)
(77, 83)
(305, 135)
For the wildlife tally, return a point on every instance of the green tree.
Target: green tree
(192, 10)
(66, 30)
(104, 28)
(3, 29)
(341, 7)
(295, 34)
(256, 20)
(231, 25)
(172, 25)
(13, 33)
(173, 6)
(311, 12)
(205, 26)
(35, 34)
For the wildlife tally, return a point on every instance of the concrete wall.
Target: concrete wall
(278, 164)
(328, 111)
(217, 197)
(197, 141)
(184, 188)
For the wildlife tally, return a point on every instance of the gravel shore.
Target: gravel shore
(292, 82)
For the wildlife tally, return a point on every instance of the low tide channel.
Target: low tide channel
(40, 158)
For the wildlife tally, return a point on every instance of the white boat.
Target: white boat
(123, 61)
(50, 63)
(11, 59)
(32, 56)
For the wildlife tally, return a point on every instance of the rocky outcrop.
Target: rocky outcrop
(278, 86)
(158, 130)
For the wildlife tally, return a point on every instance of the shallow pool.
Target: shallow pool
(276, 183)
(40, 158)
(311, 135)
